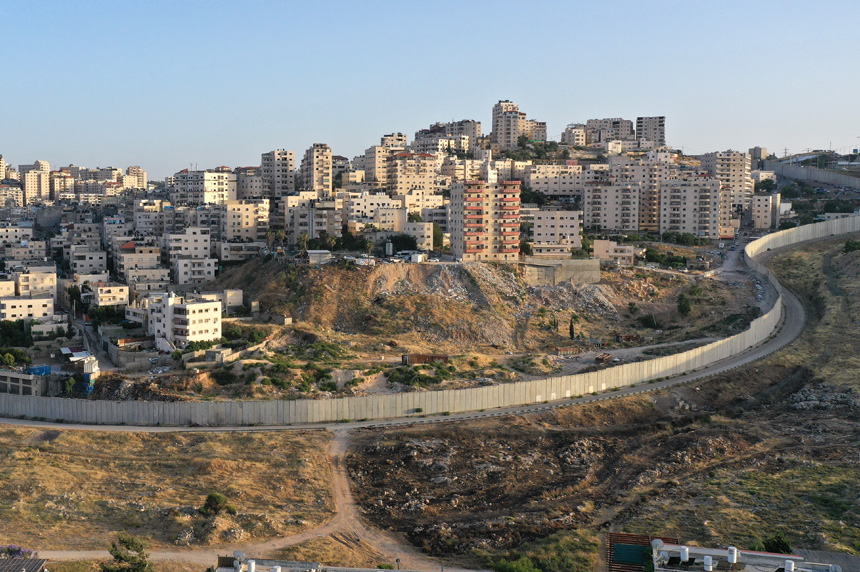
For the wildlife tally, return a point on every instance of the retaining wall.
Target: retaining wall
(282, 412)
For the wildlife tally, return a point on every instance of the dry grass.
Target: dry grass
(335, 550)
(93, 566)
(76, 489)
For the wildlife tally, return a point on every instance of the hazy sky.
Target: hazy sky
(167, 84)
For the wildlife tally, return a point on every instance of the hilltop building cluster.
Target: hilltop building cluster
(125, 241)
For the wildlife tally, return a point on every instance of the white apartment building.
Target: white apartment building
(461, 169)
(485, 220)
(26, 308)
(375, 165)
(7, 288)
(611, 206)
(212, 186)
(652, 129)
(733, 169)
(176, 321)
(418, 199)
(137, 178)
(574, 135)
(11, 192)
(362, 207)
(148, 216)
(555, 232)
(691, 205)
(36, 186)
(316, 169)
(190, 270)
(554, 180)
(115, 226)
(390, 218)
(278, 171)
(193, 242)
(25, 250)
(765, 211)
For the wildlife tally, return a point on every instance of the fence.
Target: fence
(282, 412)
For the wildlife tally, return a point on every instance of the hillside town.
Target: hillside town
(102, 244)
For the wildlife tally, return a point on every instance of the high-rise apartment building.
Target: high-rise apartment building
(650, 174)
(485, 220)
(509, 124)
(555, 232)
(409, 171)
(316, 170)
(212, 186)
(138, 177)
(690, 204)
(278, 171)
(652, 129)
(733, 169)
(612, 206)
(250, 184)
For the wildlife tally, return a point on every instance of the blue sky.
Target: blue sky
(168, 84)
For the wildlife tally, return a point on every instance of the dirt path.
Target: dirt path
(345, 524)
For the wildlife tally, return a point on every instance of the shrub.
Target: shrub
(215, 503)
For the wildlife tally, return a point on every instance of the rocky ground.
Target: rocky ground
(770, 448)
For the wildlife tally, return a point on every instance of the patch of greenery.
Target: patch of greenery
(569, 551)
(406, 375)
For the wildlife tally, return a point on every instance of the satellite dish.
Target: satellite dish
(837, 568)
(656, 544)
(239, 555)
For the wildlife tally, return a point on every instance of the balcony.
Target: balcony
(475, 216)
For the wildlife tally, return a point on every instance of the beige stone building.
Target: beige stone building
(245, 220)
(410, 171)
(574, 135)
(611, 206)
(609, 129)
(31, 283)
(765, 211)
(84, 259)
(733, 169)
(611, 251)
(650, 174)
(27, 308)
(109, 294)
(134, 256)
(509, 124)
(250, 184)
(485, 220)
(316, 169)
(554, 180)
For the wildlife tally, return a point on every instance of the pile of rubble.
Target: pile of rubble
(823, 396)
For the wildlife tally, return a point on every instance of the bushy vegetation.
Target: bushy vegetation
(665, 259)
(570, 551)
(851, 245)
(14, 356)
(215, 503)
(416, 375)
(12, 333)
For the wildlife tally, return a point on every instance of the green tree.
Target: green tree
(685, 305)
(303, 241)
(571, 329)
(70, 332)
(438, 239)
(777, 543)
(765, 186)
(215, 503)
(75, 296)
(8, 359)
(413, 217)
(403, 242)
(129, 555)
(526, 248)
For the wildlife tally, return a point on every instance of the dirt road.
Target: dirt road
(346, 524)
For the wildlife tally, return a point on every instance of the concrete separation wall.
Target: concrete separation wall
(812, 174)
(283, 412)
